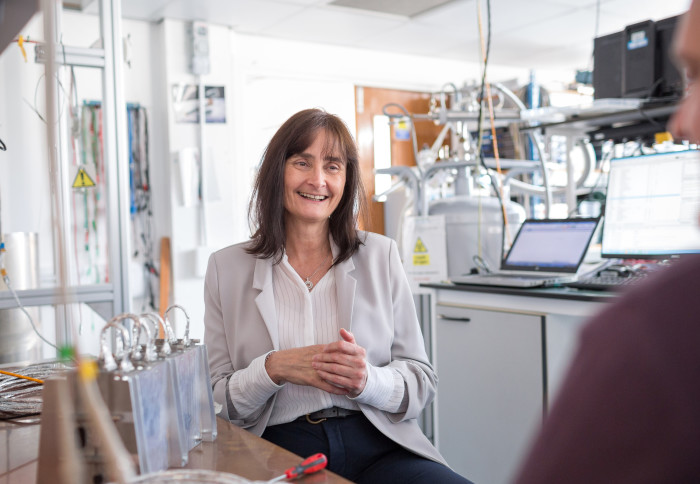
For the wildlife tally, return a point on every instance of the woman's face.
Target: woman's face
(314, 181)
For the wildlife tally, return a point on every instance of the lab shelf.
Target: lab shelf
(587, 119)
(100, 297)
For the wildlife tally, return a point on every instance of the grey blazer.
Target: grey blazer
(374, 302)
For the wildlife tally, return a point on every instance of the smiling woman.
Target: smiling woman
(313, 183)
(311, 326)
(310, 141)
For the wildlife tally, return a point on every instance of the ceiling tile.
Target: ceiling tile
(637, 11)
(135, 9)
(331, 25)
(243, 16)
(566, 28)
(512, 15)
(456, 14)
(409, 38)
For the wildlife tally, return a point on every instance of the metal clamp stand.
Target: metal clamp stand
(140, 402)
(192, 368)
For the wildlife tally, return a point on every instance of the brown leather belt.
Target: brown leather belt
(326, 413)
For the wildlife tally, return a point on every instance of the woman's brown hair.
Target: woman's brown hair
(266, 210)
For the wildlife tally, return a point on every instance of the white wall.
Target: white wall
(23, 167)
(189, 248)
(24, 186)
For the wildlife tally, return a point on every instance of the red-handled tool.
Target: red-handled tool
(309, 465)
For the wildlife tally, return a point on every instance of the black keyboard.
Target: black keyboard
(607, 282)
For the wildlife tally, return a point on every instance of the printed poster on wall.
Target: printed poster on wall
(424, 251)
(186, 103)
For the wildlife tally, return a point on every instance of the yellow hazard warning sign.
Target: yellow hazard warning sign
(420, 254)
(421, 260)
(424, 251)
(83, 180)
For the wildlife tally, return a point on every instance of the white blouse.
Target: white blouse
(307, 318)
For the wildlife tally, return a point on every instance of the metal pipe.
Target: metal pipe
(106, 357)
(165, 349)
(407, 115)
(390, 190)
(186, 338)
(536, 143)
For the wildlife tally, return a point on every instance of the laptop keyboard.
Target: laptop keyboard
(607, 282)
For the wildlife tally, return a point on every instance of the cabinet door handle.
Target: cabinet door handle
(454, 318)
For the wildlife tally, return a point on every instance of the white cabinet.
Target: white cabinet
(500, 355)
(491, 388)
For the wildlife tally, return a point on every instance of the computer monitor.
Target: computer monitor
(652, 205)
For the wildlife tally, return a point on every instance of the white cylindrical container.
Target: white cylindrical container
(18, 341)
(473, 226)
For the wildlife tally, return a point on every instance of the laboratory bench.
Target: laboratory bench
(500, 354)
(235, 451)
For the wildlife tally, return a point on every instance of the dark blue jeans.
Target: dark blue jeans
(359, 452)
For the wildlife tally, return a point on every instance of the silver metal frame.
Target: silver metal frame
(116, 152)
(114, 297)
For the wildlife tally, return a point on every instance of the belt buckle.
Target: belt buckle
(314, 422)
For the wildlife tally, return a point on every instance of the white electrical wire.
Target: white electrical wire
(24, 310)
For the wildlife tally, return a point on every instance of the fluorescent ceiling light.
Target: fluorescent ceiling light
(405, 8)
(76, 4)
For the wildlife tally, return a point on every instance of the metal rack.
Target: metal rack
(100, 297)
(113, 297)
(580, 123)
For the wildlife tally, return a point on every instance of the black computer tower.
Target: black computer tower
(672, 81)
(639, 60)
(607, 66)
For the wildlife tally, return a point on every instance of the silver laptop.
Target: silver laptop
(545, 252)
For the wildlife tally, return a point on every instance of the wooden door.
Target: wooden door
(369, 102)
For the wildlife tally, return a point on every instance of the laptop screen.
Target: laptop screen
(550, 245)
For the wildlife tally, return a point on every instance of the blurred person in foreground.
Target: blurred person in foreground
(629, 409)
(313, 338)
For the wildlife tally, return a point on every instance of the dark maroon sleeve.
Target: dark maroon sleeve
(629, 408)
